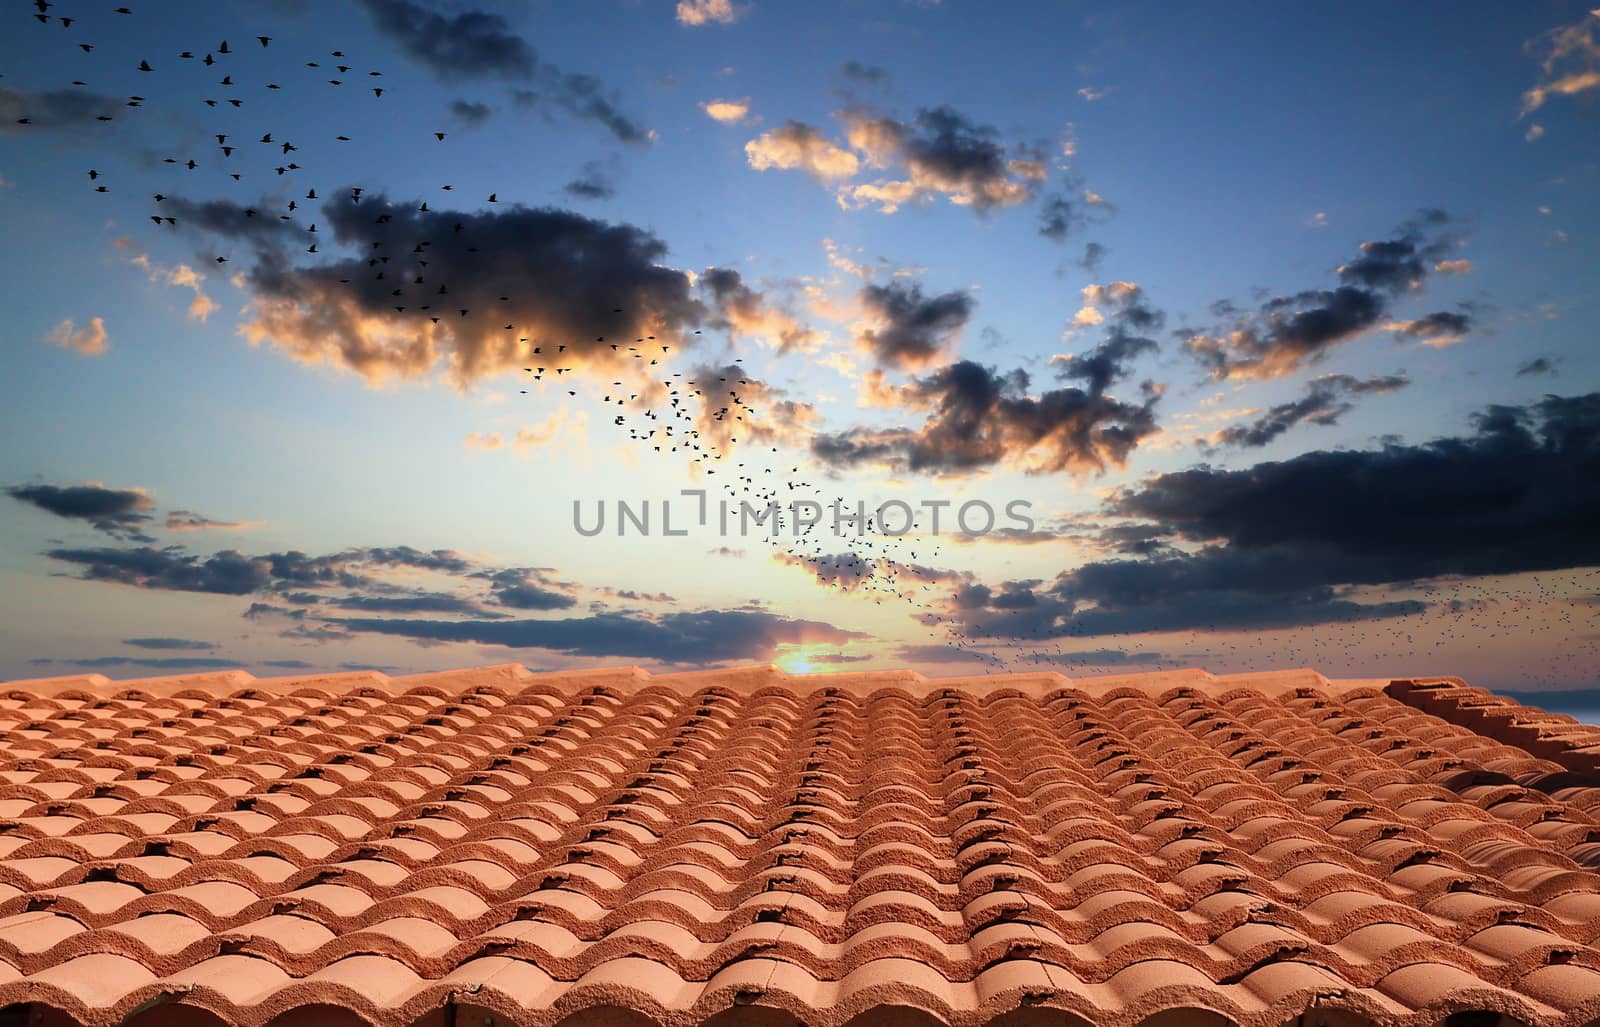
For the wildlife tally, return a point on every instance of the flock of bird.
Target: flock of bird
(704, 416)
(675, 414)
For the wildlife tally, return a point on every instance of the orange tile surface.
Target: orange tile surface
(492, 847)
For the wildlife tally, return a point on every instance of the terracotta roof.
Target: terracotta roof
(492, 846)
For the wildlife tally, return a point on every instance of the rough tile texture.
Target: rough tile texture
(742, 847)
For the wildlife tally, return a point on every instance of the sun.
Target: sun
(796, 662)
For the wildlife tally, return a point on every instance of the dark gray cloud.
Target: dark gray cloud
(53, 109)
(742, 310)
(171, 569)
(702, 637)
(943, 151)
(1104, 658)
(483, 45)
(1286, 333)
(1108, 363)
(188, 520)
(1399, 264)
(471, 113)
(1059, 217)
(864, 74)
(1325, 401)
(586, 98)
(850, 571)
(934, 652)
(265, 232)
(1438, 328)
(528, 588)
(912, 328)
(417, 602)
(230, 572)
(592, 183)
(118, 512)
(151, 663)
(168, 643)
(446, 561)
(568, 279)
(1291, 543)
(1172, 593)
(1538, 365)
(1520, 494)
(469, 44)
(979, 418)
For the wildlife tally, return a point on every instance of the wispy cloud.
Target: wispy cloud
(122, 513)
(709, 12)
(89, 340)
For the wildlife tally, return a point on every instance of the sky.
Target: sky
(1240, 336)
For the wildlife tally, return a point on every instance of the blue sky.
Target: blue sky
(1264, 269)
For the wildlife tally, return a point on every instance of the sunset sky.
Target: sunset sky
(1281, 317)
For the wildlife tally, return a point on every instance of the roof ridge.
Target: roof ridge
(740, 678)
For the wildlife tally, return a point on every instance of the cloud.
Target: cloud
(1126, 312)
(226, 573)
(795, 145)
(737, 405)
(118, 512)
(168, 643)
(1213, 591)
(1442, 328)
(744, 312)
(728, 112)
(1571, 64)
(416, 602)
(528, 588)
(863, 74)
(90, 340)
(702, 637)
(53, 109)
(1538, 365)
(1323, 404)
(202, 306)
(471, 113)
(1453, 267)
(978, 419)
(230, 572)
(152, 663)
(940, 152)
(908, 329)
(1289, 332)
(1104, 658)
(1094, 254)
(1517, 495)
(563, 431)
(707, 12)
(593, 183)
(471, 44)
(852, 572)
(482, 45)
(188, 520)
(1059, 218)
(586, 98)
(567, 279)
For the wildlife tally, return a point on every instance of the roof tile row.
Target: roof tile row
(746, 847)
